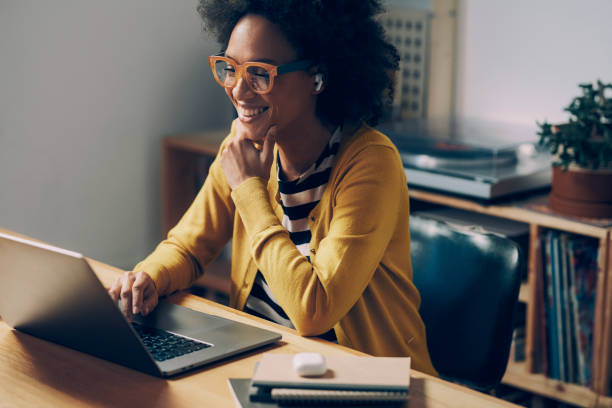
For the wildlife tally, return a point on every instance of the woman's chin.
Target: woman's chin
(256, 126)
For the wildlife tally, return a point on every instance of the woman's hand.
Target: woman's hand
(137, 291)
(246, 156)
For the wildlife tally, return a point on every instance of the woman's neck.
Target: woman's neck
(301, 145)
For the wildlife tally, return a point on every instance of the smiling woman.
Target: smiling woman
(319, 212)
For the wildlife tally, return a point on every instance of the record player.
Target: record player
(471, 157)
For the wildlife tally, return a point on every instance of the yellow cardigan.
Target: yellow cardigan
(359, 278)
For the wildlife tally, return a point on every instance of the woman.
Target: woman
(315, 200)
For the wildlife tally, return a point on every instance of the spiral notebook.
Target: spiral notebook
(242, 391)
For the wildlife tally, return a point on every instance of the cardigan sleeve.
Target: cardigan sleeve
(317, 294)
(198, 237)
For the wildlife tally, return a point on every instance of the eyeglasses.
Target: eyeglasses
(258, 75)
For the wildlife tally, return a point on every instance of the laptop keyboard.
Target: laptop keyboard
(164, 345)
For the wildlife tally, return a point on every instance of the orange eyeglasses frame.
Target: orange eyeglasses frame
(273, 70)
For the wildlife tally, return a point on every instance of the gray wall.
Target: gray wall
(87, 91)
(522, 60)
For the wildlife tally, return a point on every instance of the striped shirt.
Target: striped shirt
(298, 198)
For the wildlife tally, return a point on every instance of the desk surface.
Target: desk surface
(34, 372)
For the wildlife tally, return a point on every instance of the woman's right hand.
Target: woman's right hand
(137, 292)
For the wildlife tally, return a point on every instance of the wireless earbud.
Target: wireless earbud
(318, 82)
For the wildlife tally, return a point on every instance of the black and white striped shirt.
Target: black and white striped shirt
(298, 198)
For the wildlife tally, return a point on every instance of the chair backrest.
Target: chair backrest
(469, 283)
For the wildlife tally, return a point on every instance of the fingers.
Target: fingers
(115, 289)
(144, 294)
(126, 295)
(268, 143)
(242, 133)
(138, 292)
(150, 299)
(244, 141)
(244, 157)
(251, 136)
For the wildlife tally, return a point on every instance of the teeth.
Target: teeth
(250, 112)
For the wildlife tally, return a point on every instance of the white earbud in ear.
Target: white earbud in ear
(318, 82)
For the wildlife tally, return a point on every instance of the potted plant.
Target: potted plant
(582, 171)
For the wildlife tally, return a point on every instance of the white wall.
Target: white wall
(87, 91)
(522, 60)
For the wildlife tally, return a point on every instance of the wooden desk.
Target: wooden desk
(34, 372)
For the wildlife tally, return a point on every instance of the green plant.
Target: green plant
(586, 140)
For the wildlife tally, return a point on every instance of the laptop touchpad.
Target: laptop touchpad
(174, 318)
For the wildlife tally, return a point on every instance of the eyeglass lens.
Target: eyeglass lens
(257, 77)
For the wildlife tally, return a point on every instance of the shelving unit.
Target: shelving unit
(186, 159)
(521, 375)
(185, 162)
(518, 376)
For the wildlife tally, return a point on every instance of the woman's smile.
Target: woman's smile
(250, 114)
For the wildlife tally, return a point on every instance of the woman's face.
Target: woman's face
(256, 39)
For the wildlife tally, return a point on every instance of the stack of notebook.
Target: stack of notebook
(349, 381)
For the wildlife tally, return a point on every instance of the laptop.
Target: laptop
(53, 294)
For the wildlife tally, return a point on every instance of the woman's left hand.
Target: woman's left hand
(242, 159)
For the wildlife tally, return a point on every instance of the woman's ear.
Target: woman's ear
(318, 83)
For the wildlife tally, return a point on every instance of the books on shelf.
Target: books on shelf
(584, 270)
(550, 321)
(349, 381)
(569, 273)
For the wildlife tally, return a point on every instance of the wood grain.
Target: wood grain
(35, 372)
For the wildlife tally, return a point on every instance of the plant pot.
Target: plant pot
(582, 192)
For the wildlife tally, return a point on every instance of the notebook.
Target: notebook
(53, 294)
(241, 389)
(344, 372)
(349, 380)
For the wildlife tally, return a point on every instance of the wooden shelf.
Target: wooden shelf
(180, 157)
(518, 376)
(511, 212)
(604, 402)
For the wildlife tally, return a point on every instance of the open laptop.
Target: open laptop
(52, 293)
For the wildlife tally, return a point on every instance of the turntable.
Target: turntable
(471, 157)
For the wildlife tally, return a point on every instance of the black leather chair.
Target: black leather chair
(469, 283)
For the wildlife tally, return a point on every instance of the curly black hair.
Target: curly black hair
(341, 36)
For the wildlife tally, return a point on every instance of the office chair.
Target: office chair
(469, 283)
